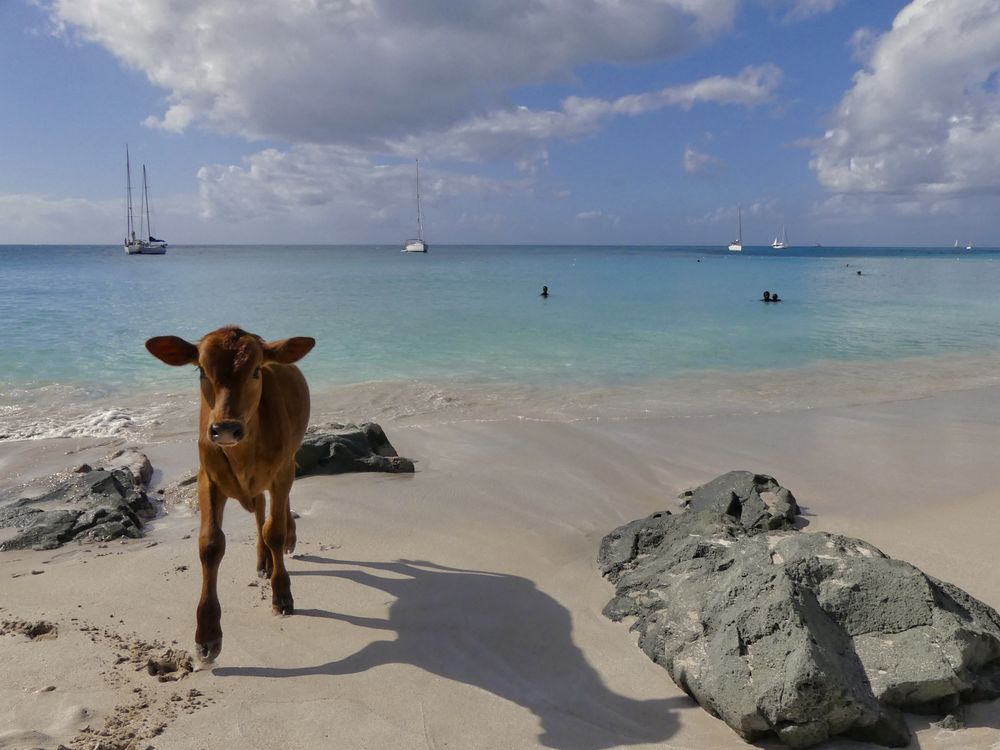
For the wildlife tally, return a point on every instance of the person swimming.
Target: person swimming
(545, 292)
(775, 297)
(766, 297)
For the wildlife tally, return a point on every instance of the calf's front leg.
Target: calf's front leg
(211, 548)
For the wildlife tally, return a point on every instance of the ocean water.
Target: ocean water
(76, 317)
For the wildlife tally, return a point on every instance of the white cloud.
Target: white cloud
(861, 210)
(800, 10)
(696, 162)
(599, 217)
(765, 208)
(306, 179)
(32, 218)
(794, 11)
(762, 208)
(719, 215)
(519, 131)
(350, 72)
(923, 117)
(330, 183)
(862, 44)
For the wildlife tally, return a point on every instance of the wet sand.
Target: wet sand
(461, 606)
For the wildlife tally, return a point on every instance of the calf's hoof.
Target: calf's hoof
(264, 572)
(283, 607)
(208, 651)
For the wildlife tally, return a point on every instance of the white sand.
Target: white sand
(461, 607)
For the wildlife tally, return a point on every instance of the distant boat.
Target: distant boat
(969, 246)
(143, 243)
(956, 244)
(782, 243)
(417, 245)
(736, 246)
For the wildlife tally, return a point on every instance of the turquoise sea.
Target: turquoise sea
(77, 316)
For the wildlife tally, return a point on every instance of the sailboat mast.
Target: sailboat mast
(129, 221)
(142, 206)
(420, 224)
(739, 225)
(145, 200)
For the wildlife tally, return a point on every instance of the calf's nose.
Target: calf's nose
(226, 433)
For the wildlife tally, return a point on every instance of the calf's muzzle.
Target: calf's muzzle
(226, 433)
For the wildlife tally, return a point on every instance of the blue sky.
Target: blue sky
(536, 121)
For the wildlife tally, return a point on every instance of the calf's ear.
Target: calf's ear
(173, 350)
(287, 351)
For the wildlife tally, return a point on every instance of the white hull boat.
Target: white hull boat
(417, 244)
(143, 242)
(780, 244)
(736, 246)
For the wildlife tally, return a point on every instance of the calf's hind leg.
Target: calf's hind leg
(290, 531)
(275, 531)
(263, 553)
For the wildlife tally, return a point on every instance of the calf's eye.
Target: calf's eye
(256, 373)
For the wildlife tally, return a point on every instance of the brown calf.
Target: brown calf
(254, 412)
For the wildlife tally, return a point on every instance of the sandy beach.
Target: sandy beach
(461, 606)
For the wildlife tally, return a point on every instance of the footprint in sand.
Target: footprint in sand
(34, 629)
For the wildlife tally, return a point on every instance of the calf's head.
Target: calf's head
(231, 364)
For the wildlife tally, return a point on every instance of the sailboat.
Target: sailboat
(782, 243)
(144, 243)
(417, 245)
(736, 246)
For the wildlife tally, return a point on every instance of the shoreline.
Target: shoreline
(57, 411)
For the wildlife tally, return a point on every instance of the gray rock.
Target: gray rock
(50, 529)
(333, 450)
(114, 529)
(952, 722)
(136, 462)
(796, 635)
(18, 514)
(757, 501)
(96, 504)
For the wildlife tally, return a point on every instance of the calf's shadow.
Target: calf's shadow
(494, 631)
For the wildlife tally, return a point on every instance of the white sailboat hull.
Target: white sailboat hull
(417, 244)
(736, 246)
(137, 245)
(140, 247)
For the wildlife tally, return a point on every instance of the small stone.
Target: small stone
(952, 722)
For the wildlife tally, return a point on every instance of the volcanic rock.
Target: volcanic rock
(800, 636)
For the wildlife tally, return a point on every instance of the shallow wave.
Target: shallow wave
(68, 412)
(61, 411)
(700, 394)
